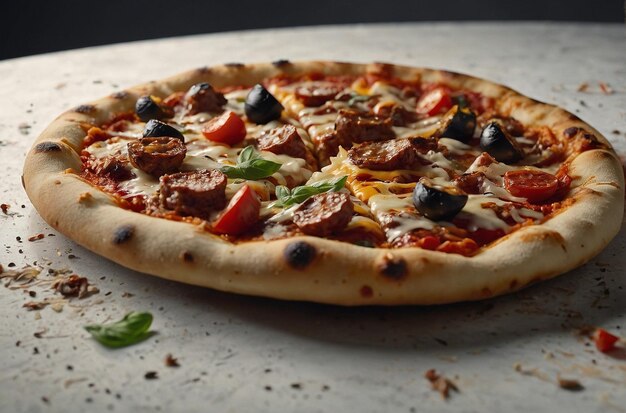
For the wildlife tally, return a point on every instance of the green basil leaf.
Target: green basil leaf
(247, 154)
(299, 194)
(131, 329)
(253, 169)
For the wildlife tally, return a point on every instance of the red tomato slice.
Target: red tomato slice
(227, 128)
(604, 340)
(435, 101)
(534, 185)
(429, 242)
(241, 213)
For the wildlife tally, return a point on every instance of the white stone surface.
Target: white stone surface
(245, 354)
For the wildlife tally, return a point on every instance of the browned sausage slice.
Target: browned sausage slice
(157, 156)
(324, 214)
(201, 97)
(391, 155)
(194, 193)
(283, 140)
(354, 127)
(317, 94)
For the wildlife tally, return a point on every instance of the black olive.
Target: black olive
(261, 106)
(146, 108)
(156, 129)
(499, 144)
(459, 123)
(437, 203)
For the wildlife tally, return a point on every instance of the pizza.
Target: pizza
(341, 183)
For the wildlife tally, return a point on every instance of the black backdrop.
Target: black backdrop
(29, 27)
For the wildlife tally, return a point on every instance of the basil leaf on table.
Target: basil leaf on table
(286, 198)
(131, 329)
(251, 166)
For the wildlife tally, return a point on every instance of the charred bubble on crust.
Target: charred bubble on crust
(392, 267)
(121, 95)
(366, 291)
(203, 70)
(187, 256)
(85, 109)
(123, 234)
(281, 62)
(47, 147)
(235, 65)
(299, 254)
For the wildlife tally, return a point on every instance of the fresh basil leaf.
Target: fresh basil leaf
(247, 154)
(299, 194)
(253, 169)
(131, 329)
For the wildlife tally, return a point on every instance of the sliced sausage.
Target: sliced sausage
(398, 115)
(194, 193)
(354, 127)
(283, 140)
(201, 97)
(392, 154)
(157, 156)
(317, 94)
(470, 183)
(115, 167)
(324, 214)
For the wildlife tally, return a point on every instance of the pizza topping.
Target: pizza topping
(499, 144)
(250, 165)
(283, 140)
(286, 198)
(604, 340)
(241, 213)
(196, 193)
(156, 129)
(458, 123)
(437, 100)
(317, 93)
(147, 108)
(392, 154)
(535, 185)
(228, 128)
(261, 106)
(353, 127)
(324, 214)
(436, 202)
(201, 97)
(157, 156)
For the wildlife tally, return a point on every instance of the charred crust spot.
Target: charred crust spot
(486, 292)
(513, 284)
(235, 65)
(573, 117)
(393, 267)
(187, 256)
(299, 254)
(570, 132)
(366, 291)
(281, 63)
(85, 109)
(121, 95)
(123, 234)
(203, 70)
(23, 184)
(47, 147)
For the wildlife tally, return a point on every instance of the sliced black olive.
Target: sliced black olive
(437, 203)
(156, 129)
(146, 108)
(498, 143)
(261, 106)
(459, 123)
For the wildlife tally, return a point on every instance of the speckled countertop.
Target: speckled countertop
(245, 354)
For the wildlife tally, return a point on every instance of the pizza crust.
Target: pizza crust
(316, 269)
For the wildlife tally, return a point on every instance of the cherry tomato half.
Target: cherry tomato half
(227, 128)
(536, 186)
(604, 340)
(435, 101)
(241, 213)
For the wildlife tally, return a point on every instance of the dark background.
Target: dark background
(31, 27)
